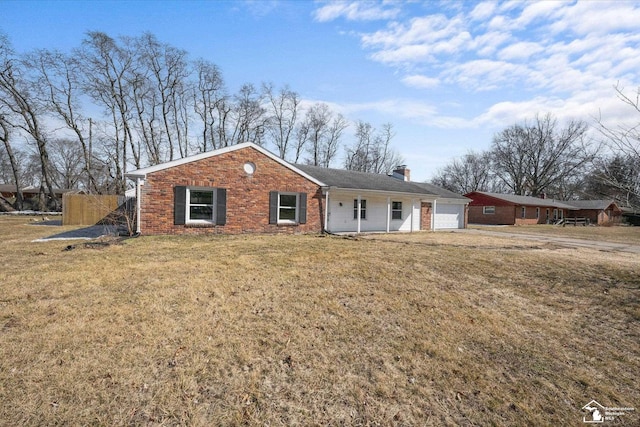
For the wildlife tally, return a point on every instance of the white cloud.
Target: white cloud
(510, 60)
(483, 10)
(426, 29)
(421, 82)
(593, 17)
(355, 11)
(520, 50)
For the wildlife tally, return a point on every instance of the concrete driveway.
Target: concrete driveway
(562, 241)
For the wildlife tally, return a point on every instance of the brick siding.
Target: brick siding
(247, 195)
(504, 215)
(425, 216)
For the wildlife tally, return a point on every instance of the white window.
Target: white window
(396, 210)
(488, 210)
(537, 213)
(287, 208)
(200, 205)
(555, 214)
(363, 209)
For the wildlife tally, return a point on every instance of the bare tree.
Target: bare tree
(248, 116)
(161, 71)
(321, 130)
(471, 172)
(372, 150)
(66, 163)
(58, 86)
(15, 174)
(24, 113)
(622, 172)
(530, 158)
(282, 115)
(107, 68)
(208, 97)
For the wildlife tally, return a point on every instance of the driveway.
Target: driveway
(84, 233)
(562, 241)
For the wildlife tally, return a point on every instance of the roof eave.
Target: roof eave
(426, 196)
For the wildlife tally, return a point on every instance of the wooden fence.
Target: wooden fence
(88, 209)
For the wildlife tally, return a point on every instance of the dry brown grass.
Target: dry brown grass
(618, 234)
(422, 329)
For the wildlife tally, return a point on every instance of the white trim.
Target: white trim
(187, 205)
(138, 204)
(296, 208)
(388, 213)
(359, 213)
(433, 216)
(411, 215)
(423, 197)
(326, 211)
(142, 173)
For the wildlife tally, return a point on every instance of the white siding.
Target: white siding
(341, 213)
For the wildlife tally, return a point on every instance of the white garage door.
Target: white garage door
(449, 216)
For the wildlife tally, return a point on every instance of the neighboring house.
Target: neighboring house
(597, 211)
(507, 209)
(8, 191)
(246, 189)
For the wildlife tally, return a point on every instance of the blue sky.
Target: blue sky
(447, 75)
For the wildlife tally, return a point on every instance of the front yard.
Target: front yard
(420, 329)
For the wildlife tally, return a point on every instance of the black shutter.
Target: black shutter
(179, 204)
(221, 206)
(302, 212)
(273, 207)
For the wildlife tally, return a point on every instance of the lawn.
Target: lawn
(618, 234)
(389, 330)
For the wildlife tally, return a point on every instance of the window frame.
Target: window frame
(188, 204)
(523, 212)
(363, 209)
(537, 213)
(296, 208)
(396, 210)
(181, 206)
(488, 210)
(300, 216)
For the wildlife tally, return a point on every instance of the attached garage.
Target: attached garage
(448, 215)
(448, 210)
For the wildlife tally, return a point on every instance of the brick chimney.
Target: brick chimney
(402, 172)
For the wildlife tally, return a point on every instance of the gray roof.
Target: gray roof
(442, 192)
(346, 179)
(529, 200)
(591, 204)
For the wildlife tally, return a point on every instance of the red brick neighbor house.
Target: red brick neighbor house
(246, 189)
(508, 209)
(597, 211)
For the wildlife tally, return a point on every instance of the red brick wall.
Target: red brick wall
(247, 196)
(504, 215)
(425, 216)
(530, 215)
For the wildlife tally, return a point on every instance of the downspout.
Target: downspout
(388, 213)
(359, 213)
(138, 205)
(433, 216)
(326, 211)
(413, 203)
